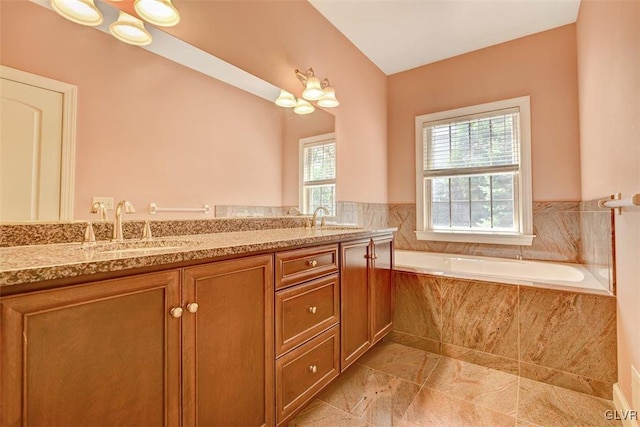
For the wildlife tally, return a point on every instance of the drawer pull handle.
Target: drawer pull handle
(176, 312)
(313, 309)
(313, 369)
(312, 263)
(192, 307)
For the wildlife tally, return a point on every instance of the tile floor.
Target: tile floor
(396, 385)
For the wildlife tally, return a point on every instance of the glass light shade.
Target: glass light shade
(314, 90)
(158, 12)
(130, 29)
(303, 107)
(286, 99)
(329, 99)
(83, 12)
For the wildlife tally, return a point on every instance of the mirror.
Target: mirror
(152, 130)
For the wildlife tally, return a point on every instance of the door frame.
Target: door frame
(69, 118)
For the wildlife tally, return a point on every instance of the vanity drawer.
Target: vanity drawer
(305, 310)
(303, 372)
(299, 265)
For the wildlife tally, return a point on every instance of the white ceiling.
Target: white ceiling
(398, 35)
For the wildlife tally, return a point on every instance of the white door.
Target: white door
(31, 120)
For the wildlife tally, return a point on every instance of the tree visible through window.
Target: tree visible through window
(318, 175)
(471, 171)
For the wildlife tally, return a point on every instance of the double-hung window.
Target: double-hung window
(318, 173)
(474, 174)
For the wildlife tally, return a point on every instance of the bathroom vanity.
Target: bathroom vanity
(198, 334)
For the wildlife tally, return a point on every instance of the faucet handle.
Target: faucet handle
(146, 231)
(128, 207)
(101, 209)
(89, 235)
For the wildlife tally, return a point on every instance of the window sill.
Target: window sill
(488, 238)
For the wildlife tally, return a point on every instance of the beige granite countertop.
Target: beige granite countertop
(25, 264)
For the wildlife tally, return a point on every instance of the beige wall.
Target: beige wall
(542, 65)
(271, 39)
(149, 129)
(608, 35)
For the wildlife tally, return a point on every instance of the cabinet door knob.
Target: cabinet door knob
(312, 263)
(176, 312)
(313, 369)
(313, 309)
(192, 307)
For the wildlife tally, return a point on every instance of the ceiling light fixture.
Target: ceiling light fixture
(83, 12)
(158, 12)
(314, 90)
(130, 29)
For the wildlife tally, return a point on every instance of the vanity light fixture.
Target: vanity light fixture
(303, 107)
(130, 29)
(83, 12)
(314, 90)
(286, 99)
(158, 12)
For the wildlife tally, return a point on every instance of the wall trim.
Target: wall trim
(622, 406)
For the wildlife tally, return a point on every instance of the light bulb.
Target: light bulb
(286, 99)
(303, 107)
(329, 99)
(157, 12)
(130, 29)
(83, 12)
(314, 90)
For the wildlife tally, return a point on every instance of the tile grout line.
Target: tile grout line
(420, 389)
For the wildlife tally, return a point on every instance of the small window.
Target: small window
(474, 174)
(318, 173)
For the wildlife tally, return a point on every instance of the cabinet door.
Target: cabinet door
(228, 344)
(381, 288)
(101, 354)
(354, 303)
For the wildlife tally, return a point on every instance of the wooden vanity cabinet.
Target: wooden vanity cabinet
(366, 295)
(136, 351)
(101, 354)
(228, 344)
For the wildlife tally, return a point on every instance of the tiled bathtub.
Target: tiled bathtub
(562, 337)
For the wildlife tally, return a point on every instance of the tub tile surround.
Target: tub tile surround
(555, 224)
(563, 338)
(454, 393)
(597, 243)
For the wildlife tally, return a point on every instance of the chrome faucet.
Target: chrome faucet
(294, 211)
(322, 209)
(100, 209)
(117, 223)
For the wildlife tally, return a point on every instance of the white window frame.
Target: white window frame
(309, 142)
(524, 236)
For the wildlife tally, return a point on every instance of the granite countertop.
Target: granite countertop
(24, 264)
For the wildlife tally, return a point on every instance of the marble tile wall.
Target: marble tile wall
(555, 224)
(566, 339)
(235, 211)
(368, 215)
(597, 243)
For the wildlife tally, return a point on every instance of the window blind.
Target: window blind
(472, 145)
(320, 164)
